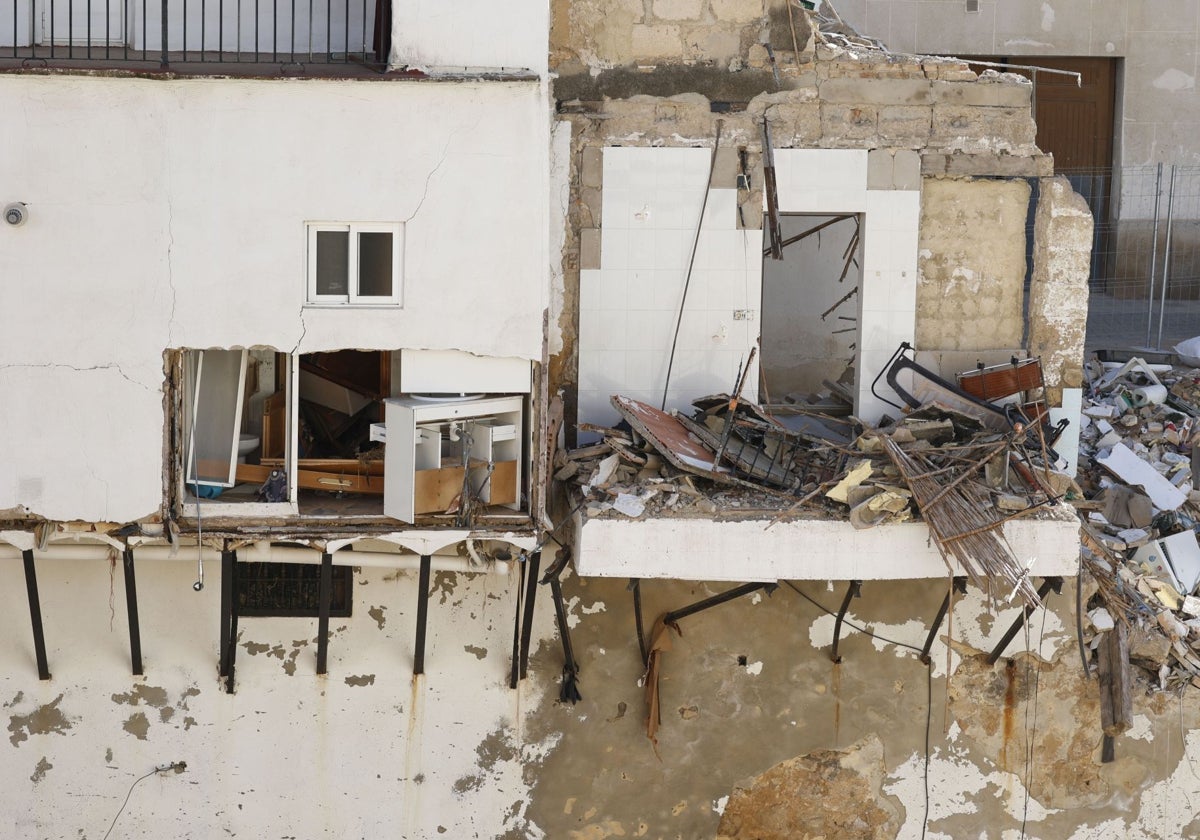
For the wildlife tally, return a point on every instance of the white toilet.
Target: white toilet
(246, 445)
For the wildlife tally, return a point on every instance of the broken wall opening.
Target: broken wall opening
(809, 304)
(243, 447)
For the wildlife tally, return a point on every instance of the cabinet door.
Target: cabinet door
(400, 462)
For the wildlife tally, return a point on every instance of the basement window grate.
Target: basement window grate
(291, 589)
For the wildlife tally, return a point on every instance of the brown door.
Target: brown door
(1074, 121)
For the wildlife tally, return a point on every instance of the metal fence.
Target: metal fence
(173, 32)
(1145, 272)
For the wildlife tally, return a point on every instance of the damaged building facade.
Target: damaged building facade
(335, 346)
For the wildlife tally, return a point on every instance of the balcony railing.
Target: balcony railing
(170, 33)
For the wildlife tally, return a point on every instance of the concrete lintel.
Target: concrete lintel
(691, 549)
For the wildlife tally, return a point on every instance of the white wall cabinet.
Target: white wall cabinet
(436, 450)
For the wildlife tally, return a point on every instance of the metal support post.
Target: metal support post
(422, 613)
(960, 586)
(1049, 583)
(35, 615)
(531, 581)
(324, 594)
(854, 590)
(131, 610)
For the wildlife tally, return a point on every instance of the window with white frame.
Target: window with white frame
(355, 263)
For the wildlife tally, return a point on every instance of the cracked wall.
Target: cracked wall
(170, 213)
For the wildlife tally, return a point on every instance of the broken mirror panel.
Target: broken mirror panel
(216, 379)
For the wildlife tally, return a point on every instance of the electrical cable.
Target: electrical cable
(928, 724)
(1083, 651)
(126, 802)
(687, 281)
(1031, 729)
(851, 624)
(928, 685)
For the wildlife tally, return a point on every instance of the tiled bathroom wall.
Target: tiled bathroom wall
(629, 307)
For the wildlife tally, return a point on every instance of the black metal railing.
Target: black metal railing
(174, 32)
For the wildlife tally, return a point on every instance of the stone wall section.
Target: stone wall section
(1058, 295)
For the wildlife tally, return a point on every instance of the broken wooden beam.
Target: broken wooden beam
(1116, 698)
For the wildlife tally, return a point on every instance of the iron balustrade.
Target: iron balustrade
(41, 33)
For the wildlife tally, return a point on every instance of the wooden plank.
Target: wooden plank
(347, 465)
(274, 427)
(503, 484)
(436, 490)
(310, 479)
(1122, 696)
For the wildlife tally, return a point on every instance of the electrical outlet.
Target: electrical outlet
(743, 314)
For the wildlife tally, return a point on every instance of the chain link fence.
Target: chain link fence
(1145, 275)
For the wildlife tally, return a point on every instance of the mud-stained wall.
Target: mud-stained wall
(762, 735)
(971, 266)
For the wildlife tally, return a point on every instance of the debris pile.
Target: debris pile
(960, 468)
(1138, 438)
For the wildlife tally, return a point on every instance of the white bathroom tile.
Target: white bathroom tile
(614, 247)
(721, 211)
(671, 249)
(665, 290)
(613, 291)
(642, 246)
(589, 289)
(595, 408)
(615, 207)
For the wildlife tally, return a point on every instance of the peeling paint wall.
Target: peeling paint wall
(750, 700)
(171, 214)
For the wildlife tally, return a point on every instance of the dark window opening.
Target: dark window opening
(291, 589)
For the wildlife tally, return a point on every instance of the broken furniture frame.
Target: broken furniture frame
(1009, 415)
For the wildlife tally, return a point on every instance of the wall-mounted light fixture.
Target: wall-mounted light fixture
(16, 213)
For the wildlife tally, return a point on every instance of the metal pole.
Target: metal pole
(960, 586)
(226, 610)
(131, 610)
(35, 616)
(422, 613)
(1166, 279)
(164, 63)
(636, 585)
(326, 588)
(515, 675)
(1153, 257)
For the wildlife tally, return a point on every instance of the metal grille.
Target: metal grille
(173, 32)
(1145, 267)
(290, 589)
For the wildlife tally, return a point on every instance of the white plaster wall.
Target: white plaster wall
(470, 33)
(170, 213)
(629, 307)
(286, 755)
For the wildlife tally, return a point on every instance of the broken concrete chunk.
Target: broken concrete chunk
(1148, 647)
(604, 472)
(1191, 606)
(1101, 620)
(630, 505)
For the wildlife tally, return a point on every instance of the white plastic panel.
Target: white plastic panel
(458, 372)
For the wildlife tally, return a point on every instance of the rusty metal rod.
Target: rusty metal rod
(854, 590)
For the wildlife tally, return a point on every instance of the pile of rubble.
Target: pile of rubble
(1138, 441)
(961, 474)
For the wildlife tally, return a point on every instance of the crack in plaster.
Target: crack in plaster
(429, 177)
(107, 366)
